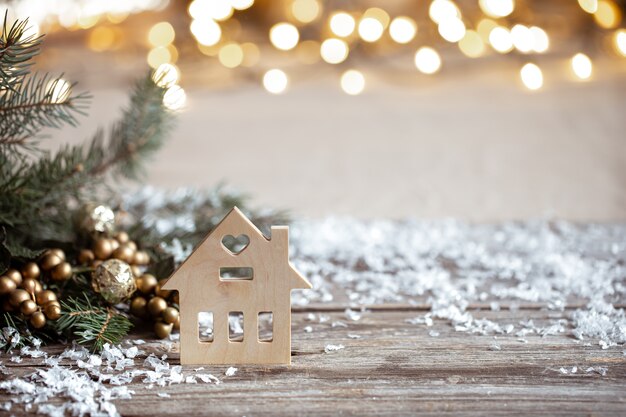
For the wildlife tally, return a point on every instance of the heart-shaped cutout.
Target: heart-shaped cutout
(235, 245)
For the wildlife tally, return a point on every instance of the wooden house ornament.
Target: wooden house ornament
(265, 285)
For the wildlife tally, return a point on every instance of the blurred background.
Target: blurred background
(482, 110)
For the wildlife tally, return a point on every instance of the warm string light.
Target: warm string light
(531, 76)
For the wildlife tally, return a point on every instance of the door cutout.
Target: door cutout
(236, 274)
(205, 326)
(235, 326)
(266, 326)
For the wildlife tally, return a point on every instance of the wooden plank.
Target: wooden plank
(397, 368)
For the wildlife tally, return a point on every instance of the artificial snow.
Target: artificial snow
(332, 348)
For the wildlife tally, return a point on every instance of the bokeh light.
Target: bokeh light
(241, 4)
(352, 82)
(166, 75)
(619, 40)
(370, 29)
(211, 9)
(440, 10)
(284, 36)
(306, 11)
(334, 50)
(522, 38)
(590, 6)
(427, 60)
(582, 66)
(497, 8)
(251, 54)
(500, 39)
(230, 55)
(161, 34)
(472, 44)
(541, 42)
(452, 29)
(159, 55)
(342, 24)
(608, 14)
(206, 31)
(58, 90)
(402, 29)
(531, 76)
(275, 81)
(174, 98)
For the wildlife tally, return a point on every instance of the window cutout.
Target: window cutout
(205, 326)
(236, 274)
(235, 245)
(235, 326)
(266, 326)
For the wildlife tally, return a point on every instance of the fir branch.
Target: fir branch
(92, 324)
(16, 52)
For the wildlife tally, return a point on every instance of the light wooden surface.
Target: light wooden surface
(202, 289)
(396, 368)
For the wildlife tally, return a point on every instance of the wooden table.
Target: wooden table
(398, 368)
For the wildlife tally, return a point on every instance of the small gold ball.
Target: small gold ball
(38, 320)
(29, 285)
(122, 237)
(38, 287)
(147, 283)
(86, 256)
(170, 315)
(177, 323)
(58, 253)
(7, 285)
(102, 248)
(49, 261)
(124, 253)
(62, 272)
(28, 307)
(31, 270)
(45, 297)
(162, 330)
(52, 310)
(138, 306)
(131, 244)
(141, 258)
(161, 292)
(18, 296)
(135, 270)
(15, 275)
(114, 244)
(156, 306)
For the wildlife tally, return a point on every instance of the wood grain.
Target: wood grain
(396, 368)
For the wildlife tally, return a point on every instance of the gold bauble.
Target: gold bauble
(162, 330)
(31, 270)
(114, 244)
(58, 252)
(45, 297)
(124, 253)
(49, 261)
(38, 320)
(95, 218)
(136, 270)
(86, 256)
(18, 296)
(7, 285)
(114, 280)
(15, 275)
(61, 272)
(28, 307)
(147, 283)
(122, 237)
(52, 310)
(138, 306)
(156, 306)
(30, 285)
(170, 315)
(102, 248)
(160, 291)
(177, 323)
(141, 258)
(131, 244)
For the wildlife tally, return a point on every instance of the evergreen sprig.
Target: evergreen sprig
(92, 324)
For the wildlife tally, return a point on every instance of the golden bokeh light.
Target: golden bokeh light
(206, 31)
(230, 55)
(161, 34)
(440, 10)
(472, 44)
(484, 28)
(451, 29)
(308, 52)
(342, 24)
(402, 29)
(241, 4)
(101, 38)
(86, 20)
(378, 14)
(32, 30)
(522, 38)
(306, 11)
(370, 29)
(174, 98)
(284, 36)
(581, 66)
(166, 75)
(590, 6)
(427, 60)
(334, 50)
(211, 9)
(619, 40)
(541, 41)
(608, 14)
(58, 91)
(531, 76)
(500, 39)
(275, 81)
(352, 82)
(159, 55)
(497, 8)
(251, 54)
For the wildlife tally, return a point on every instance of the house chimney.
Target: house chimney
(280, 237)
